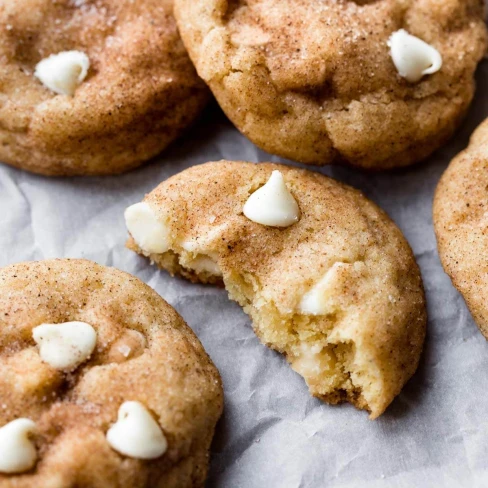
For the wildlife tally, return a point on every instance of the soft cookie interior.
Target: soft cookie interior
(338, 292)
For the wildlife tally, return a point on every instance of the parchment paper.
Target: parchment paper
(273, 434)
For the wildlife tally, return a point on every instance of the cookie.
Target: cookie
(103, 384)
(376, 84)
(460, 221)
(92, 87)
(326, 277)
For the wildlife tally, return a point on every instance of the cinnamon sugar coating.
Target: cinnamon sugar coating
(141, 91)
(461, 222)
(365, 338)
(145, 352)
(313, 80)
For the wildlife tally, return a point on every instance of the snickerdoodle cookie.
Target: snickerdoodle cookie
(461, 224)
(92, 86)
(373, 83)
(102, 384)
(325, 275)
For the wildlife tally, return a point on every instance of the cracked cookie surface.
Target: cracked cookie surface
(344, 254)
(461, 219)
(144, 352)
(313, 80)
(140, 93)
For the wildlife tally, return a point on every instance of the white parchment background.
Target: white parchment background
(273, 434)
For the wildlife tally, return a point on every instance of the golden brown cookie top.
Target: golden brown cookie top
(126, 50)
(343, 45)
(140, 75)
(320, 73)
(372, 296)
(144, 352)
(461, 223)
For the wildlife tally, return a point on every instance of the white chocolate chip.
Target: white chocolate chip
(17, 452)
(203, 261)
(313, 302)
(273, 204)
(149, 233)
(190, 246)
(316, 300)
(136, 434)
(309, 362)
(65, 346)
(413, 58)
(205, 264)
(63, 72)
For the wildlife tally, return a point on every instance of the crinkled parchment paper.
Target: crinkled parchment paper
(273, 434)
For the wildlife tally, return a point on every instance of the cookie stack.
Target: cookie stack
(104, 384)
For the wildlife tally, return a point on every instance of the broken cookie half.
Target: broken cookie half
(326, 277)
